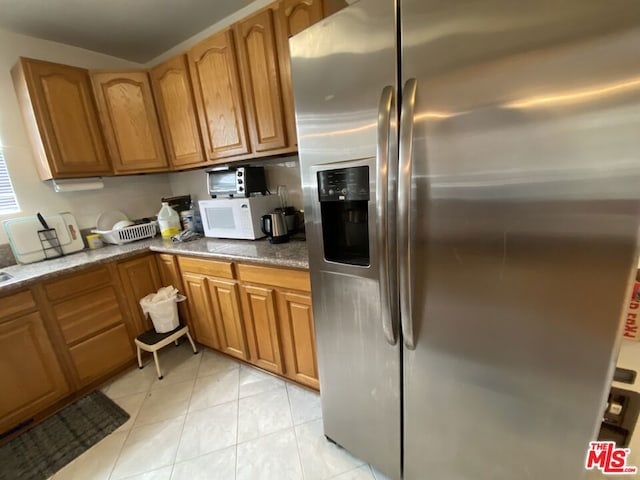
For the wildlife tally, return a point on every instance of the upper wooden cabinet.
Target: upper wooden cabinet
(129, 121)
(61, 119)
(216, 85)
(177, 113)
(260, 73)
(292, 16)
(301, 14)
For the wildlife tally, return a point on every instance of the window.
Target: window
(8, 201)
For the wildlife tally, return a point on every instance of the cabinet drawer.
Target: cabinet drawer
(83, 316)
(16, 303)
(211, 268)
(275, 277)
(76, 283)
(101, 354)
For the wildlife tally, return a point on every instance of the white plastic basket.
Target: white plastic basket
(128, 234)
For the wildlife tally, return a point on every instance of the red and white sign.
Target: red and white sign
(608, 459)
(632, 322)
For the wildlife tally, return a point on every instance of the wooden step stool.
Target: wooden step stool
(152, 341)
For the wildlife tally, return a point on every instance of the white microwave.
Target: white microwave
(236, 217)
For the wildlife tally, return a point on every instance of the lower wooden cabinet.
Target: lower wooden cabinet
(298, 337)
(227, 317)
(170, 275)
(30, 372)
(139, 278)
(101, 353)
(94, 322)
(261, 321)
(196, 290)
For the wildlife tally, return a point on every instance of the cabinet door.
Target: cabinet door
(170, 275)
(226, 309)
(259, 308)
(177, 112)
(259, 67)
(195, 286)
(301, 14)
(298, 337)
(139, 278)
(61, 118)
(101, 354)
(29, 370)
(292, 16)
(129, 120)
(216, 85)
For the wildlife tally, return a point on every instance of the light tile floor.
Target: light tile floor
(216, 419)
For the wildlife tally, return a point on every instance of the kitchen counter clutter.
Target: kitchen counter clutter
(292, 255)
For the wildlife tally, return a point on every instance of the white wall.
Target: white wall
(138, 196)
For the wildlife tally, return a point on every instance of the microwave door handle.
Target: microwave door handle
(385, 109)
(405, 225)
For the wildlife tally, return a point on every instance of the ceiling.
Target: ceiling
(136, 30)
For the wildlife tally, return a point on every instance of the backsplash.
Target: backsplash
(6, 255)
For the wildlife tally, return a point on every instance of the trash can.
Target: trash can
(162, 307)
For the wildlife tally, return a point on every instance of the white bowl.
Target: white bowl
(108, 219)
(122, 224)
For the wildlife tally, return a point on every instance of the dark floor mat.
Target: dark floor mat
(46, 448)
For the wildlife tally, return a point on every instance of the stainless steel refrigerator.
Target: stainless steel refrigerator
(471, 183)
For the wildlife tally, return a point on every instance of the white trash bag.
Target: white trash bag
(162, 308)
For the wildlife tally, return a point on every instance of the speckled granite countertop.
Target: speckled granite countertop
(292, 254)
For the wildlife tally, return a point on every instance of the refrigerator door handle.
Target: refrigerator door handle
(405, 237)
(385, 109)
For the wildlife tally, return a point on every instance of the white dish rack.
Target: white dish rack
(128, 234)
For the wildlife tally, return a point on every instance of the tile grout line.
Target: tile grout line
(295, 434)
(186, 413)
(128, 432)
(148, 391)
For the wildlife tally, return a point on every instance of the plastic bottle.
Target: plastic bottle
(169, 221)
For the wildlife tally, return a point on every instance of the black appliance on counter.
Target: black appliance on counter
(236, 181)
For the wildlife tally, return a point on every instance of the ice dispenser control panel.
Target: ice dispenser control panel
(344, 207)
(343, 184)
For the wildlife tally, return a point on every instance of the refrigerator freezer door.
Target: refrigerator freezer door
(340, 68)
(526, 166)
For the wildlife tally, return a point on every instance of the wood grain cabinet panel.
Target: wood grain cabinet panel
(79, 282)
(129, 120)
(227, 314)
(139, 278)
(16, 303)
(177, 112)
(60, 116)
(260, 317)
(200, 309)
(301, 14)
(29, 370)
(292, 16)
(86, 315)
(259, 67)
(216, 85)
(170, 275)
(102, 353)
(298, 337)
